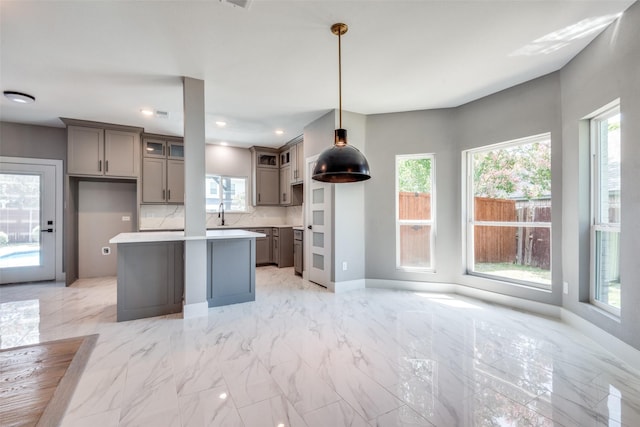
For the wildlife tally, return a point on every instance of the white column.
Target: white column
(195, 257)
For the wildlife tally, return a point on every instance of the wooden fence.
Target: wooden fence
(415, 240)
(522, 245)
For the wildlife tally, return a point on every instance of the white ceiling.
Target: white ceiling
(274, 65)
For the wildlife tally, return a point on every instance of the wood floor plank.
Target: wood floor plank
(37, 381)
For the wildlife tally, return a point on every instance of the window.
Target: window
(415, 208)
(509, 211)
(228, 190)
(605, 229)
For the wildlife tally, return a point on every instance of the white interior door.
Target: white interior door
(318, 233)
(27, 222)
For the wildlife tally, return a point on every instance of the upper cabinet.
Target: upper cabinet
(297, 163)
(96, 151)
(265, 181)
(162, 170)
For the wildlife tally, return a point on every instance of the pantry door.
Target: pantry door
(318, 234)
(28, 222)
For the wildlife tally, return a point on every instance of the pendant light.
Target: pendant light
(341, 162)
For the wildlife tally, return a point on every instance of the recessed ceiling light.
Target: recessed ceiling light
(221, 124)
(279, 132)
(224, 143)
(146, 112)
(19, 97)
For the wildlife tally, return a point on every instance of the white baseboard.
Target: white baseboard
(407, 285)
(197, 309)
(347, 285)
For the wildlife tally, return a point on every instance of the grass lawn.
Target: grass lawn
(515, 271)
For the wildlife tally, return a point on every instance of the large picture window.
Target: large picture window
(415, 208)
(230, 191)
(605, 229)
(509, 211)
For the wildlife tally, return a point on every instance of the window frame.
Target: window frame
(431, 222)
(222, 177)
(596, 224)
(469, 216)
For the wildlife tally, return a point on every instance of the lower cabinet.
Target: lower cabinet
(231, 273)
(282, 247)
(150, 279)
(263, 246)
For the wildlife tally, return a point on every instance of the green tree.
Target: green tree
(414, 175)
(518, 171)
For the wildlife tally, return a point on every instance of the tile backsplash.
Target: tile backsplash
(171, 217)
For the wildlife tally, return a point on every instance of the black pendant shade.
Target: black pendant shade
(341, 163)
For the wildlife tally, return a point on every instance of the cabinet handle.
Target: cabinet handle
(106, 165)
(163, 194)
(163, 150)
(258, 196)
(99, 165)
(168, 194)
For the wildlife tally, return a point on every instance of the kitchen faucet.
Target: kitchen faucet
(221, 212)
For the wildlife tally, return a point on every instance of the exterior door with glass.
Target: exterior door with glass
(318, 238)
(27, 222)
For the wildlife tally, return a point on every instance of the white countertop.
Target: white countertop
(171, 236)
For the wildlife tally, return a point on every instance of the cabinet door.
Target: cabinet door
(275, 252)
(267, 186)
(175, 150)
(299, 162)
(121, 153)
(85, 150)
(294, 163)
(297, 256)
(153, 180)
(285, 185)
(175, 181)
(154, 148)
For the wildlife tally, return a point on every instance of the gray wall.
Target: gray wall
(528, 109)
(416, 132)
(40, 142)
(609, 68)
(101, 206)
(230, 161)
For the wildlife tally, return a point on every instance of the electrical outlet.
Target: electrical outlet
(106, 250)
(126, 218)
(344, 265)
(565, 287)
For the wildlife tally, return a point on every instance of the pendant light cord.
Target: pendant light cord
(340, 74)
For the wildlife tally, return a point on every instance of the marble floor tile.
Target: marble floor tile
(302, 356)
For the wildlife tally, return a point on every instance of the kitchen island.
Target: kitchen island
(151, 270)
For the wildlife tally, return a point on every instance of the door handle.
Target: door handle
(47, 230)
(309, 227)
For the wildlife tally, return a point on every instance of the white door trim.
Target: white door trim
(59, 169)
(308, 237)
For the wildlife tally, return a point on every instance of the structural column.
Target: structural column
(195, 259)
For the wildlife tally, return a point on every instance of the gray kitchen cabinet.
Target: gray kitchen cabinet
(267, 186)
(297, 163)
(285, 186)
(282, 247)
(150, 279)
(231, 273)
(162, 171)
(265, 176)
(297, 251)
(103, 152)
(263, 246)
(275, 250)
